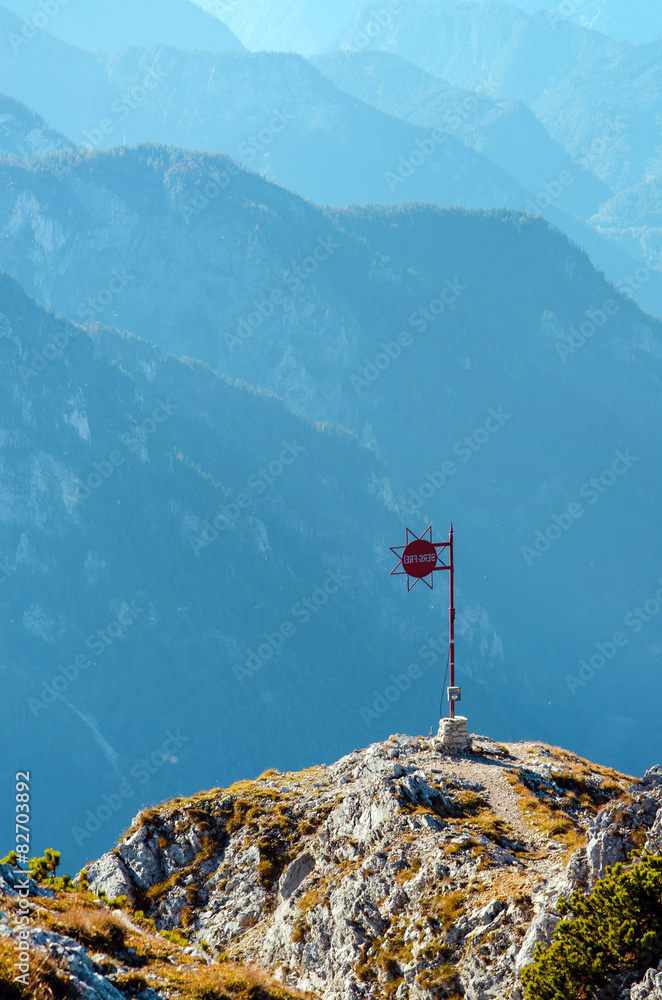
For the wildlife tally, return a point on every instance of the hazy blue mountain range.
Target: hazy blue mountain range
(636, 215)
(626, 90)
(491, 365)
(636, 21)
(198, 490)
(273, 112)
(310, 28)
(504, 130)
(125, 615)
(304, 26)
(95, 24)
(600, 99)
(24, 134)
(279, 115)
(490, 45)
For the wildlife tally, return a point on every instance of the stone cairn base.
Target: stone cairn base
(453, 735)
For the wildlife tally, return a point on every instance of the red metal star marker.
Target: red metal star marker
(419, 558)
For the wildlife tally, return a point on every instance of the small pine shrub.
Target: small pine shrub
(619, 924)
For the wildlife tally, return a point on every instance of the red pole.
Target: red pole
(451, 623)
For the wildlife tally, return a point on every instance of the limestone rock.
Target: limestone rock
(11, 880)
(650, 988)
(383, 867)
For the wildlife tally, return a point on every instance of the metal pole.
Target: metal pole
(451, 622)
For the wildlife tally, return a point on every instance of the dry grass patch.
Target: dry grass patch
(490, 825)
(546, 817)
(96, 928)
(225, 982)
(46, 981)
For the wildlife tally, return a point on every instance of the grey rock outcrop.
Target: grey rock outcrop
(86, 976)
(11, 880)
(650, 988)
(382, 867)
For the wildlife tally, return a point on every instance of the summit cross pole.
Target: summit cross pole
(419, 559)
(451, 618)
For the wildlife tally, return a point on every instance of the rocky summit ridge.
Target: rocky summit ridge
(397, 871)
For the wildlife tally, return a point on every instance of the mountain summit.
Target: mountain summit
(398, 870)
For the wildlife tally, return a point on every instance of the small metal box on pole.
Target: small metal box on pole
(419, 559)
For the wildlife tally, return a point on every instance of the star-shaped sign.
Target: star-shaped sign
(419, 558)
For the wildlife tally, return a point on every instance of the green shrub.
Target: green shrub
(42, 868)
(619, 924)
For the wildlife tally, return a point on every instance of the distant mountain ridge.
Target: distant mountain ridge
(272, 111)
(337, 313)
(506, 131)
(23, 134)
(108, 27)
(177, 547)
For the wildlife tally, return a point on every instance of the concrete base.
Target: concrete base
(453, 735)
